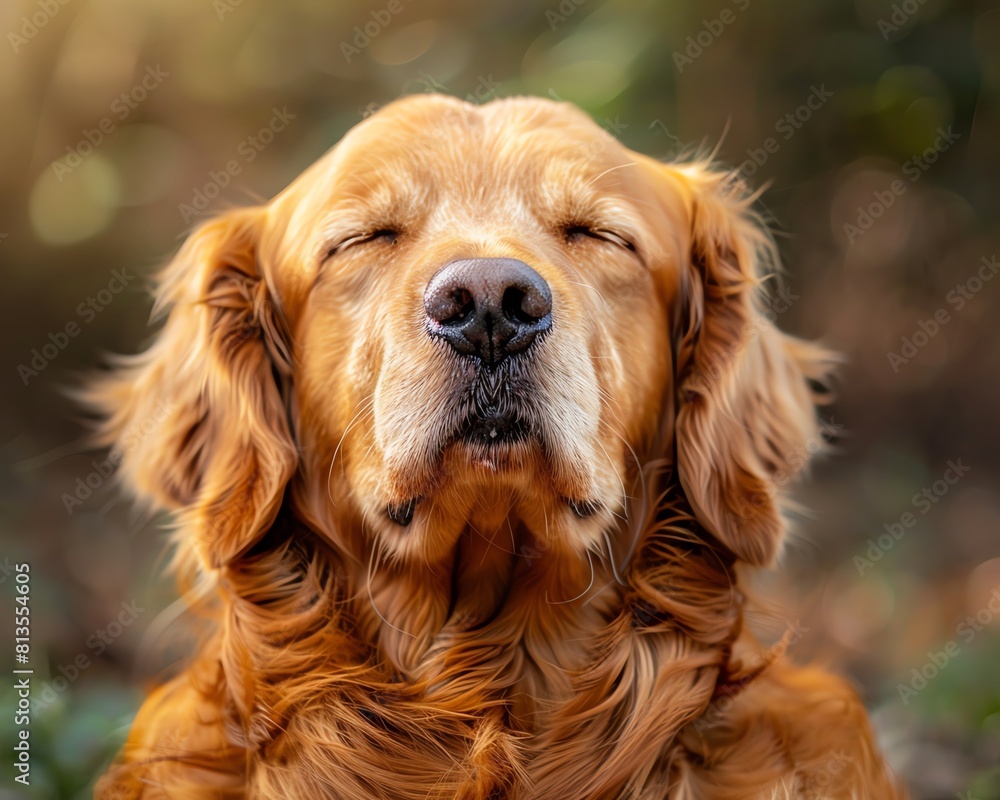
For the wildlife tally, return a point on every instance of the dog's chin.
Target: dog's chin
(495, 442)
(490, 469)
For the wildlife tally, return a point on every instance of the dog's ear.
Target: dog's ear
(198, 420)
(746, 393)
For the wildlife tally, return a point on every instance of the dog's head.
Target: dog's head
(463, 313)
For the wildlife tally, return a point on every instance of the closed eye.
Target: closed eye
(382, 234)
(577, 232)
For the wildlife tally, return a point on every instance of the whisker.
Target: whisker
(492, 539)
(722, 139)
(510, 505)
(371, 597)
(364, 406)
(594, 290)
(617, 475)
(598, 593)
(597, 177)
(611, 401)
(646, 472)
(611, 558)
(590, 561)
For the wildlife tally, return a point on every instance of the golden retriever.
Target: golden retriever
(471, 432)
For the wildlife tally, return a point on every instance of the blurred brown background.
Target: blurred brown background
(875, 123)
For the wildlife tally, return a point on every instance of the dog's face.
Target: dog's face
(478, 298)
(463, 313)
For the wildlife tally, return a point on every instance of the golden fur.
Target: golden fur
(501, 645)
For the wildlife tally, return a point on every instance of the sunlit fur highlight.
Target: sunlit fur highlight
(500, 647)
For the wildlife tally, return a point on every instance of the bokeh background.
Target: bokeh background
(97, 168)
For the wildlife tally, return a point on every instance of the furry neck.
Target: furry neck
(510, 613)
(530, 680)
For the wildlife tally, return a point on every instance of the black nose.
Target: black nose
(488, 307)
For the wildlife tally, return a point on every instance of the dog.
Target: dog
(471, 437)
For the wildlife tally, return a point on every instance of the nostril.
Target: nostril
(526, 306)
(463, 305)
(514, 307)
(450, 305)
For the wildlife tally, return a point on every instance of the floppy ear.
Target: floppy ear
(746, 421)
(198, 420)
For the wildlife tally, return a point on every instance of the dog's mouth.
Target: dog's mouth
(493, 412)
(494, 430)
